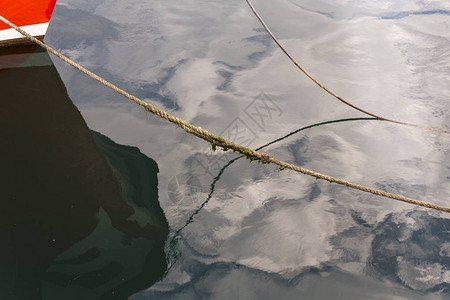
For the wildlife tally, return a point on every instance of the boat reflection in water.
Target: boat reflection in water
(79, 216)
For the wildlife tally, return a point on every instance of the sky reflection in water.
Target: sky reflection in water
(265, 233)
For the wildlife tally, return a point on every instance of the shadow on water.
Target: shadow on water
(80, 216)
(172, 252)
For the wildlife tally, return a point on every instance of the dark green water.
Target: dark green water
(80, 216)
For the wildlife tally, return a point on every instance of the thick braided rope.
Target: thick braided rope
(221, 142)
(325, 88)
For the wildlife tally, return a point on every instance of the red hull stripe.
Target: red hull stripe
(26, 12)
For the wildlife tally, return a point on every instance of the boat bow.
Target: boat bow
(32, 16)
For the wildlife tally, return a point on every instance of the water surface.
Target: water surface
(249, 230)
(80, 217)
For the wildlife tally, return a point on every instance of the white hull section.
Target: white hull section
(34, 30)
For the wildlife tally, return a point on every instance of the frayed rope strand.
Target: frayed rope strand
(220, 141)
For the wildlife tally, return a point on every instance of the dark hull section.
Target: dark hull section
(20, 42)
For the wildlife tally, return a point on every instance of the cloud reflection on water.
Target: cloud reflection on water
(208, 61)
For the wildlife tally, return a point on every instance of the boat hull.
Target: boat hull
(32, 16)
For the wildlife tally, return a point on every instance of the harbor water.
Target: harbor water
(162, 216)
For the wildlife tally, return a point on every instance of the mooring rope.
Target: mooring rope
(215, 140)
(328, 90)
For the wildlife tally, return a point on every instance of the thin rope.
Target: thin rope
(215, 140)
(328, 90)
